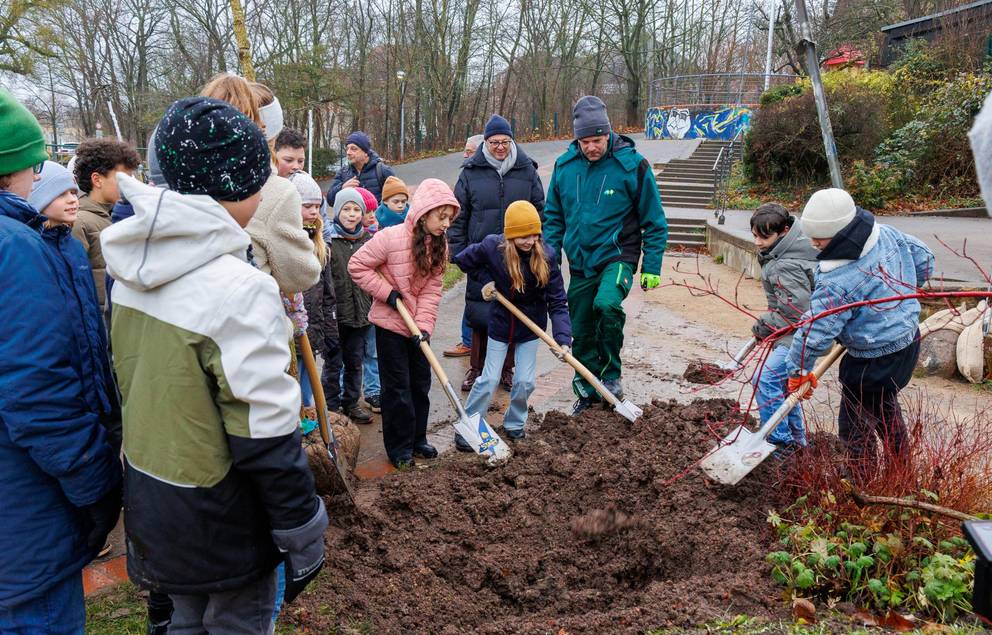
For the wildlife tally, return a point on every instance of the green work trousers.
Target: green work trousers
(595, 306)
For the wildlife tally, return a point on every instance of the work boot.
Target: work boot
(506, 380)
(461, 444)
(403, 462)
(374, 402)
(424, 450)
(470, 378)
(581, 405)
(514, 435)
(458, 350)
(614, 386)
(357, 413)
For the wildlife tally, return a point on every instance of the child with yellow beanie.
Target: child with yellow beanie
(529, 276)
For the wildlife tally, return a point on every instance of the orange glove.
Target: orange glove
(799, 384)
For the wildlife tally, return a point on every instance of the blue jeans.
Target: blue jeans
(280, 590)
(370, 367)
(525, 369)
(59, 611)
(466, 332)
(770, 381)
(306, 390)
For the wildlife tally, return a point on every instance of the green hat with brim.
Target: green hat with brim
(22, 143)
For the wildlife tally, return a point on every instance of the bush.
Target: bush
(872, 186)
(780, 93)
(785, 145)
(322, 158)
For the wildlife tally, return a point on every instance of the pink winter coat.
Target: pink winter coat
(386, 262)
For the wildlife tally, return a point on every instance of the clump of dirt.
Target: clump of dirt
(585, 529)
(698, 372)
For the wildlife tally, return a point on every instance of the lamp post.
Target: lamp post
(401, 75)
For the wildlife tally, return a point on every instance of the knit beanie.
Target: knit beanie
(22, 144)
(521, 220)
(497, 125)
(589, 117)
(307, 187)
(827, 212)
(361, 140)
(54, 182)
(206, 146)
(368, 198)
(393, 186)
(348, 195)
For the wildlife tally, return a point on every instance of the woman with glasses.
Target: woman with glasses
(498, 174)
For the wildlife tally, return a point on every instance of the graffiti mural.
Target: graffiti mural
(697, 123)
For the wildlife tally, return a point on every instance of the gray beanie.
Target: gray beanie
(54, 182)
(589, 117)
(348, 195)
(307, 187)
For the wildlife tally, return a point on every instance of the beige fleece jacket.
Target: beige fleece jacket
(280, 245)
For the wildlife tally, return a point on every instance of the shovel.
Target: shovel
(742, 450)
(326, 433)
(700, 372)
(473, 429)
(626, 408)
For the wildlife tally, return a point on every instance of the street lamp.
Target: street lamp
(401, 75)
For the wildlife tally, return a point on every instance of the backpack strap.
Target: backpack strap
(378, 173)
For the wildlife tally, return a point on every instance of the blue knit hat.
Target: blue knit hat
(497, 125)
(54, 182)
(206, 146)
(361, 140)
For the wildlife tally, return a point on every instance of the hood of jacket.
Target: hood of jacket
(169, 235)
(16, 208)
(87, 204)
(621, 147)
(430, 194)
(370, 164)
(478, 160)
(794, 244)
(850, 243)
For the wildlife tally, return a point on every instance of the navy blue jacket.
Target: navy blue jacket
(55, 456)
(373, 175)
(484, 196)
(486, 263)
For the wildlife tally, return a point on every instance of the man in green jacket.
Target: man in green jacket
(603, 207)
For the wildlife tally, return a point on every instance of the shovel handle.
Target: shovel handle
(306, 352)
(790, 402)
(541, 333)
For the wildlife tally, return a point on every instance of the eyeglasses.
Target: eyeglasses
(499, 144)
(38, 168)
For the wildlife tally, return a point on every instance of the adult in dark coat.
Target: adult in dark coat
(365, 168)
(498, 174)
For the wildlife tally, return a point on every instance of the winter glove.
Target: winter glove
(423, 337)
(394, 295)
(303, 548)
(487, 291)
(650, 281)
(565, 350)
(103, 516)
(805, 384)
(760, 330)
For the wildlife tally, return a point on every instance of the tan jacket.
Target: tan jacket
(279, 244)
(93, 218)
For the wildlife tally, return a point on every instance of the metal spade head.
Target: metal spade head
(628, 410)
(740, 452)
(482, 438)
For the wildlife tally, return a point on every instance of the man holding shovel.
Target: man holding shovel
(604, 208)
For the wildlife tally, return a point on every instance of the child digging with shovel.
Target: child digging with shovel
(525, 273)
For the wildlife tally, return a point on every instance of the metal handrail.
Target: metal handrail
(718, 157)
(722, 167)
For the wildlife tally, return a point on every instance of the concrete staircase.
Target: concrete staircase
(690, 182)
(686, 234)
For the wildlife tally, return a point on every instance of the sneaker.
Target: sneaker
(514, 435)
(614, 386)
(506, 380)
(403, 462)
(470, 378)
(424, 450)
(358, 413)
(461, 444)
(374, 402)
(581, 405)
(459, 350)
(105, 550)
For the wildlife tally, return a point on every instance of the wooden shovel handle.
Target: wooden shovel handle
(428, 353)
(306, 352)
(820, 369)
(538, 331)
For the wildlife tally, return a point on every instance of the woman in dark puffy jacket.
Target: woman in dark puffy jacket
(496, 175)
(522, 271)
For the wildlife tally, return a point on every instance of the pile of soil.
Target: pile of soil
(582, 531)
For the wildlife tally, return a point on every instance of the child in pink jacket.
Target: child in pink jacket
(406, 262)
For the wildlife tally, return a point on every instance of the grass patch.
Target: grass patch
(452, 276)
(121, 611)
(830, 621)
(985, 386)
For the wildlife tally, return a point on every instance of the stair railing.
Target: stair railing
(722, 168)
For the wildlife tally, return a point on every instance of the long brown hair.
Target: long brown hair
(538, 265)
(428, 262)
(235, 90)
(315, 230)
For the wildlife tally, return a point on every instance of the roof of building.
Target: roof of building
(933, 16)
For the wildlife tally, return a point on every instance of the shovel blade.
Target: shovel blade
(740, 452)
(628, 410)
(482, 438)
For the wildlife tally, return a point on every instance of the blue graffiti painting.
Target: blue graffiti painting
(697, 123)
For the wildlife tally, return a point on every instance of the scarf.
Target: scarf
(348, 234)
(506, 164)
